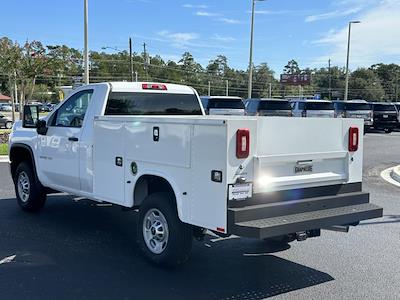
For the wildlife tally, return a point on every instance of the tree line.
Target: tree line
(37, 71)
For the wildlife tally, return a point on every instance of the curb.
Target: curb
(395, 173)
(4, 158)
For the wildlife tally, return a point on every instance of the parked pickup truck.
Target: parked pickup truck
(149, 147)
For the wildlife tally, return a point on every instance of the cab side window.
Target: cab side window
(72, 112)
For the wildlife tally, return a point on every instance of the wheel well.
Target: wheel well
(150, 184)
(19, 154)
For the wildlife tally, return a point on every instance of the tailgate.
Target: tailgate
(299, 152)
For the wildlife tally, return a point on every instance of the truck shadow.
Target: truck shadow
(386, 219)
(92, 249)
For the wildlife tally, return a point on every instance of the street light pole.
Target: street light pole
(253, 4)
(130, 58)
(330, 80)
(86, 48)
(250, 87)
(346, 89)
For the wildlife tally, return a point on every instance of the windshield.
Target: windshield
(223, 103)
(358, 106)
(384, 107)
(120, 103)
(319, 106)
(274, 105)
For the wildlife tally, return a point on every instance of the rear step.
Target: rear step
(276, 209)
(291, 223)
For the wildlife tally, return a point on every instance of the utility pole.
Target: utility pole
(346, 89)
(136, 76)
(227, 87)
(330, 80)
(250, 87)
(130, 58)
(145, 59)
(209, 88)
(270, 90)
(86, 48)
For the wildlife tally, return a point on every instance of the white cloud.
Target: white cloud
(373, 41)
(220, 38)
(178, 38)
(334, 14)
(229, 21)
(206, 14)
(201, 6)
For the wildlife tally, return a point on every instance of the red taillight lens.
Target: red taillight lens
(353, 139)
(242, 143)
(153, 86)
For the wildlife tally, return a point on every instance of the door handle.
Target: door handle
(73, 139)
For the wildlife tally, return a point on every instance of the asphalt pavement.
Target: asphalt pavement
(76, 249)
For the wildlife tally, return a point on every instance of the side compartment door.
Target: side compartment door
(59, 148)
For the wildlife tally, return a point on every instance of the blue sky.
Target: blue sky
(310, 31)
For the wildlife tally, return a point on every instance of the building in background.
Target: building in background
(5, 99)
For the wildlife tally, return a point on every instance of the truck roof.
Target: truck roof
(139, 87)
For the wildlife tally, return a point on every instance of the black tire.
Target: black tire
(388, 130)
(34, 197)
(8, 125)
(179, 240)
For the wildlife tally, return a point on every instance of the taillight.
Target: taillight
(353, 139)
(154, 86)
(242, 143)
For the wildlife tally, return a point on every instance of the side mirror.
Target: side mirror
(30, 116)
(41, 127)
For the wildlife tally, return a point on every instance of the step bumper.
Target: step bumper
(303, 221)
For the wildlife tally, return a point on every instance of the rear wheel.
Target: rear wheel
(9, 125)
(29, 192)
(162, 237)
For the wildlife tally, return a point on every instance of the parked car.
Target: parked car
(313, 108)
(359, 109)
(5, 107)
(268, 107)
(397, 104)
(385, 116)
(223, 105)
(5, 122)
(148, 147)
(44, 108)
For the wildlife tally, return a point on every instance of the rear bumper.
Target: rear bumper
(270, 219)
(382, 124)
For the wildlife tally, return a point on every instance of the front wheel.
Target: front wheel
(30, 194)
(9, 125)
(162, 237)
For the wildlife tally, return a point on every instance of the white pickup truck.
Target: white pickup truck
(149, 147)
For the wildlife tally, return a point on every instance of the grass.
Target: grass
(3, 149)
